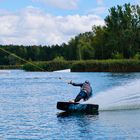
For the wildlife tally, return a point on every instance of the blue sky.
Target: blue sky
(80, 7)
(47, 22)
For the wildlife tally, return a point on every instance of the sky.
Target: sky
(50, 22)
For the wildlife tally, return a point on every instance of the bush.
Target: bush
(137, 56)
(117, 56)
(59, 58)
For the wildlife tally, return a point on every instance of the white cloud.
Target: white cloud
(100, 2)
(63, 4)
(32, 26)
(98, 10)
(138, 2)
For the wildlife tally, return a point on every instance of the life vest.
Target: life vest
(86, 88)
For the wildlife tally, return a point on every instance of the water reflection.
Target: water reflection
(28, 107)
(70, 114)
(78, 126)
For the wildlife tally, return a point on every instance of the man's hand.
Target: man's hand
(70, 82)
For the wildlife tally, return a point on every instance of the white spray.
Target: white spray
(121, 97)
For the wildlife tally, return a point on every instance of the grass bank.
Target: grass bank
(107, 66)
(48, 66)
(6, 67)
(87, 66)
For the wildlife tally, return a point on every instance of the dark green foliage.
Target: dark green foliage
(106, 66)
(122, 25)
(48, 66)
(10, 66)
(87, 66)
(137, 56)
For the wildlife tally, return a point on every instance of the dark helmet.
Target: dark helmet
(87, 82)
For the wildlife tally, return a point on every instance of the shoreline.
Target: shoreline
(127, 65)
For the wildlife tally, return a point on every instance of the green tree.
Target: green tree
(123, 26)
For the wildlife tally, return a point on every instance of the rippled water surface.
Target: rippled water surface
(28, 106)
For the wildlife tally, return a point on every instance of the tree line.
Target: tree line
(119, 38)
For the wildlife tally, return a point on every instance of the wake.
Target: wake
(119, 98)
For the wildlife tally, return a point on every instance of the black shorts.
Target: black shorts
(81, 95)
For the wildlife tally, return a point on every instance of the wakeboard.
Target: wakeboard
(78, 108)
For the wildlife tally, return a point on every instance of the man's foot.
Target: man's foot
(72, 101)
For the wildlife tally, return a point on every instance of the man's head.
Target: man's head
(87, 82)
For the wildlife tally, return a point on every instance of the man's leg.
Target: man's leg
(80, 96)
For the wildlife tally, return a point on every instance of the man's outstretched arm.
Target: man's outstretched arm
(76, 84)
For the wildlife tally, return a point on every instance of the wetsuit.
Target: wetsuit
(85, 92)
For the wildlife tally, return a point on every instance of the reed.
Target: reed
(125, 65)
(48, 66)
(106, 66)
(10, 67)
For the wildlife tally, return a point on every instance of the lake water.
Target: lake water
(28, 106)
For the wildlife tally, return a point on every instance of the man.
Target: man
(85, 92)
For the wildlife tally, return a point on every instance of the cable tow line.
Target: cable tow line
(21, 59)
